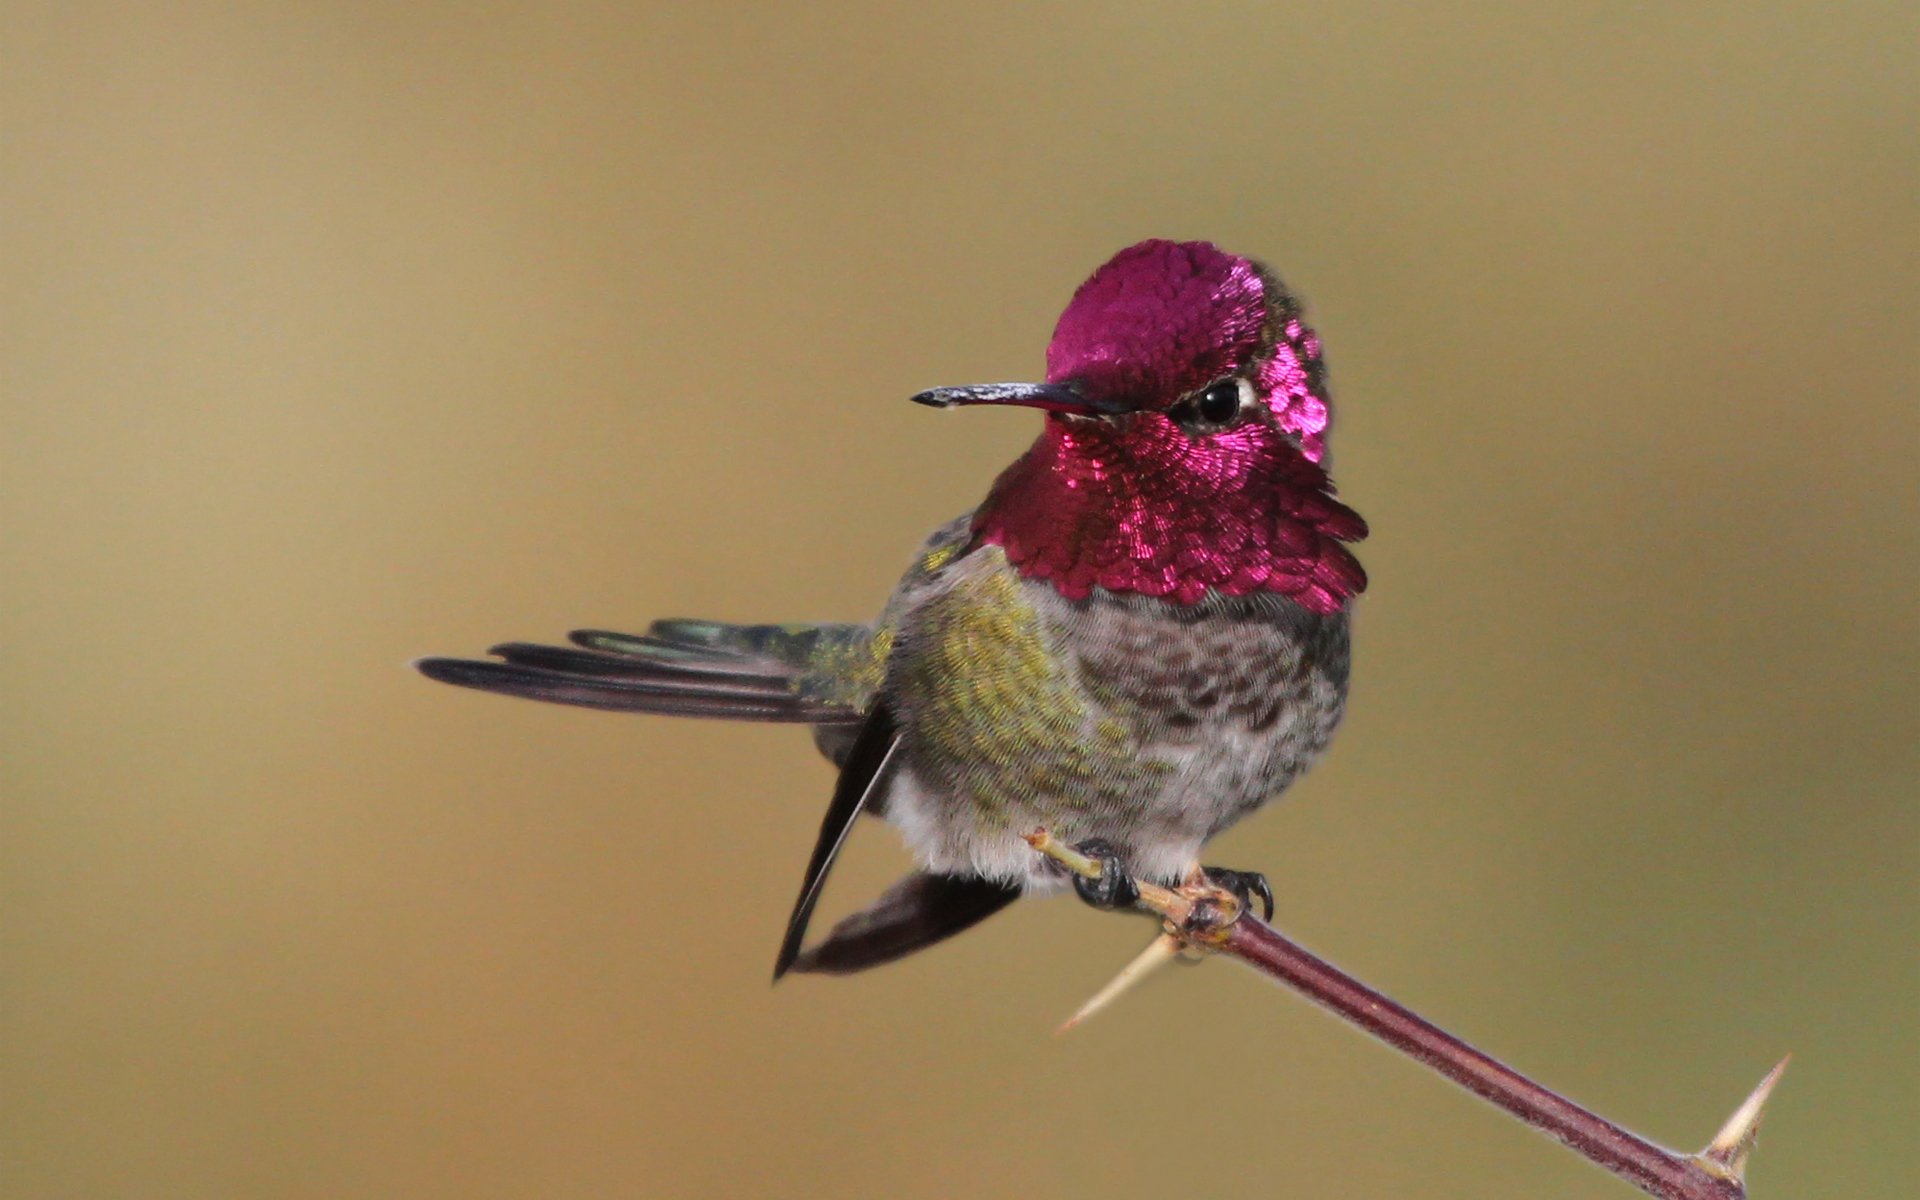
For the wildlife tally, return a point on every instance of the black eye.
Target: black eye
(1219, 403)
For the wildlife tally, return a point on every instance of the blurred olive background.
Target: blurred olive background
(336, 334)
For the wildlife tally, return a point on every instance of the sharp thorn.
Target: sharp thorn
(1726, 1155)
(1159, 952)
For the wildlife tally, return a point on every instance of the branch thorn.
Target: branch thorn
(1159, 952)
(1726, 1155)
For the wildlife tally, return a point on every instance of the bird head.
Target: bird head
(1183, 444)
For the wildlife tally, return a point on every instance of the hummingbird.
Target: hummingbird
(1140, 636)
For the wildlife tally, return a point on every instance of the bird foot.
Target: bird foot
(1114, 888)
(1246, 887)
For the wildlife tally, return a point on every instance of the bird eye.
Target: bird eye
(1216, 406)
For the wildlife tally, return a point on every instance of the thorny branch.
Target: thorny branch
(1198, 914)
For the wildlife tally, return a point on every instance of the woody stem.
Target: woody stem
(1214, 923)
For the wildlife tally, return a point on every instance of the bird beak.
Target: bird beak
(1053, 397)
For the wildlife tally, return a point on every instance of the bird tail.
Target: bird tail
(825, 676)
(914, 913)
(820, 675)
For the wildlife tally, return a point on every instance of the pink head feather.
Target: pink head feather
(1138, 504)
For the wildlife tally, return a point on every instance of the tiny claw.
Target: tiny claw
(1114, 887)
(1726, 1156)
(1246, 886)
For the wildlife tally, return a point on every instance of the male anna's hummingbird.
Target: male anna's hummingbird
(1139, 637)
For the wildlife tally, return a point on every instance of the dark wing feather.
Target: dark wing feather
(865, 770)
(693, 657)
(693, 676)
(677, 668)
(911, 915)
(668, 697)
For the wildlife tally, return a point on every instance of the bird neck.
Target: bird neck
(1154, 512)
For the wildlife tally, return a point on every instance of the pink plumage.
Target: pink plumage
(1139, 502)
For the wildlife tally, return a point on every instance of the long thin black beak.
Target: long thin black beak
(1053, 397)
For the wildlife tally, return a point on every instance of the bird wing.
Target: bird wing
(810, 675)
(826, 676)
(861, 776)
